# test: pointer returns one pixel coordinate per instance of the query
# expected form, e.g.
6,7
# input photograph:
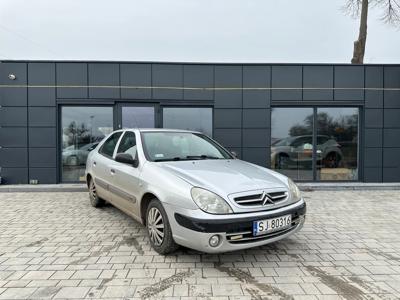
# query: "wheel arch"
144,203
88,177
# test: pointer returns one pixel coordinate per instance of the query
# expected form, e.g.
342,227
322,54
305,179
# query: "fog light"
214,241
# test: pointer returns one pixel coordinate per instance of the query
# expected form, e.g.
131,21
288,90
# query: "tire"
72,161
158,228
282,162
95,200
332,160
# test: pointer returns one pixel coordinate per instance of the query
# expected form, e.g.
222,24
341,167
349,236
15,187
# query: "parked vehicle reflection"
295,151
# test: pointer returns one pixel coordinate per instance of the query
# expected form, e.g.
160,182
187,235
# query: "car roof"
161,130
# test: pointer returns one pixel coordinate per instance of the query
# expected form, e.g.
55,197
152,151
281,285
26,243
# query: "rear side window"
128,144
109,145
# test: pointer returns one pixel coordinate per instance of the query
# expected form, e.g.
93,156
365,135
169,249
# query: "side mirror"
234,154
126,158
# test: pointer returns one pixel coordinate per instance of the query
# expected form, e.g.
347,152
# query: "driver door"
126,178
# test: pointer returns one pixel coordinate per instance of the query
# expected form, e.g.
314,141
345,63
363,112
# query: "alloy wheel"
155,226
92,191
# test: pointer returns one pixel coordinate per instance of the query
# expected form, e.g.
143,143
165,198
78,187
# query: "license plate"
270,225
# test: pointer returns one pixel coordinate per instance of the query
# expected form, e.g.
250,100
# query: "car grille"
247,236
261,199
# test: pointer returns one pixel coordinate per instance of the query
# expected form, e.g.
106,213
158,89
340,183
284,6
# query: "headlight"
294,190
210,202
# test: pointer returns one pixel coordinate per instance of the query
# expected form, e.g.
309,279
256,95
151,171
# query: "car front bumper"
193,229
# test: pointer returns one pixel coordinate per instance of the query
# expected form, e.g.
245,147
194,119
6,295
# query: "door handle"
94,164
112,171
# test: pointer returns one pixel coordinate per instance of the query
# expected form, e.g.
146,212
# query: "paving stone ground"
56,246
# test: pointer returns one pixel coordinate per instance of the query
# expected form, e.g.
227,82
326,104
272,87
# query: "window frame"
315,107
59,116
115,147
120,141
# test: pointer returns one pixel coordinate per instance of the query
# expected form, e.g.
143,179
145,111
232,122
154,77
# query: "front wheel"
158,228
95,201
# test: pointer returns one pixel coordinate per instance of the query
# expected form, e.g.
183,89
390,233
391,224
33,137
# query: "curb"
43,188
357,186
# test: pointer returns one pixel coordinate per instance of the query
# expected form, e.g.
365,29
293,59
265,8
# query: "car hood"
225,177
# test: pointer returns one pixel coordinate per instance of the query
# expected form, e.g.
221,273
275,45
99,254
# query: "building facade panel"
287,83
72,80
42,116
318,77
43,77
13,73
228,77
227,118
42,137
13,116
237,113
373,118
198,76
135,75
14,175
256,77
167,77
13,137
43,175
106,75
349,81
256,118
43,157
13,157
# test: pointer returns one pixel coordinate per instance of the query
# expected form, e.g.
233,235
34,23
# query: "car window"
302,140
321,139
128,144
109,145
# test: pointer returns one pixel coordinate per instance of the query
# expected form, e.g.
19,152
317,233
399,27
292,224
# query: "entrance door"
134,115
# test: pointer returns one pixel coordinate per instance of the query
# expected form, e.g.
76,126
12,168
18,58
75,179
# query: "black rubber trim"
233,225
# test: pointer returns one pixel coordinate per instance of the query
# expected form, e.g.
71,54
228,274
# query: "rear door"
126,178
103,166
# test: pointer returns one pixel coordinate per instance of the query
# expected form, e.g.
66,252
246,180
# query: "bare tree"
359,8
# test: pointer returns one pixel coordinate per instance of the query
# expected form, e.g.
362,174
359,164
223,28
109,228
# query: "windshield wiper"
202,157
169,159
189,157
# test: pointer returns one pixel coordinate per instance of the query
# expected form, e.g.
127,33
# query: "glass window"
164,146
188,118
292,142
82,129
108,147
128,144
138,117
337,148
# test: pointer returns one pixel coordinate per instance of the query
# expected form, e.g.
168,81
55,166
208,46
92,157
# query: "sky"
262,31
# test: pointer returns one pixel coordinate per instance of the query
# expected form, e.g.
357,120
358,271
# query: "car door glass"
109,145
128,144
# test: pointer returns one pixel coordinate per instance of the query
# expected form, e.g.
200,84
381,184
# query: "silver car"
188,190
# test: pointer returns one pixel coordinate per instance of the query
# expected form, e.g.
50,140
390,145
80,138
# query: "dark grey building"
311,122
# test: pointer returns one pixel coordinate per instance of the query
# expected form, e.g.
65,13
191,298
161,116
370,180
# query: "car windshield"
175,146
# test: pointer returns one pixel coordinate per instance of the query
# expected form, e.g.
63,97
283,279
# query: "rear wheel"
95,201
332,160
158,228
282,162
72,161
